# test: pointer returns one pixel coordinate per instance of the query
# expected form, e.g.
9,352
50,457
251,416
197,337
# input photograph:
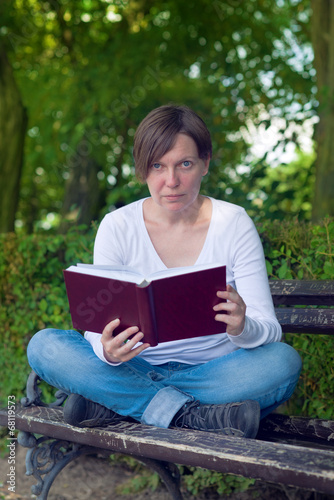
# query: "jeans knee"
42,346
288,359
292,357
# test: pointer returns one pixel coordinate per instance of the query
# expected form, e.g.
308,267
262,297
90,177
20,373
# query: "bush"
33,296
296,250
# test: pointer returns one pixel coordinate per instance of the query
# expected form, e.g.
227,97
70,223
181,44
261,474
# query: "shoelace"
227,422
181,420
201,420
99,415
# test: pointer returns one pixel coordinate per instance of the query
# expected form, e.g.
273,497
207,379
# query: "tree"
323,45
90,70
13,125
83,197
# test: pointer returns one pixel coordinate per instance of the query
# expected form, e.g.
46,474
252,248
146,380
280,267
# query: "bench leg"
169,474
34,394
46,458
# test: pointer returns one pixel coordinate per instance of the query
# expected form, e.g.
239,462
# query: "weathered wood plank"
302,320
300,292
278,427
280,463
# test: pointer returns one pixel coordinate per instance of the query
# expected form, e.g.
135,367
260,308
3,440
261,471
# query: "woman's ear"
206,166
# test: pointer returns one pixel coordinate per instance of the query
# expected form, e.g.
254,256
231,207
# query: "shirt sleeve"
251,282
106,252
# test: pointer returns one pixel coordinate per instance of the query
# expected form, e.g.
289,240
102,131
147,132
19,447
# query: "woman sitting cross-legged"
218,383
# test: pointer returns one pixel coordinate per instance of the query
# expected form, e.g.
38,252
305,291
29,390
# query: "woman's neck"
179,241
196,213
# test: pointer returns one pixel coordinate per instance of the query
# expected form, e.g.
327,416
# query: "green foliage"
296,250
32,295
194,479
197,480
281,191
141,477
240,67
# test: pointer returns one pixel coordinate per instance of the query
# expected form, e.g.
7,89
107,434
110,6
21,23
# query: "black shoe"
81,412
232,419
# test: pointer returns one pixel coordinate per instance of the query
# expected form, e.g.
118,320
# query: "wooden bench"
293,451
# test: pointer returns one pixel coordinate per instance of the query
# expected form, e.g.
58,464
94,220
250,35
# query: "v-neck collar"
150,245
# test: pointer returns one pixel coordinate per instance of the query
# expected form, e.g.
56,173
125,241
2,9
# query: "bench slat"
302,320
298,429
280,463
300,292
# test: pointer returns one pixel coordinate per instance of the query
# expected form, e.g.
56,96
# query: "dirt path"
86,478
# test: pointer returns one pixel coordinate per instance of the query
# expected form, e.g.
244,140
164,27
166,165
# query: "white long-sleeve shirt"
232,239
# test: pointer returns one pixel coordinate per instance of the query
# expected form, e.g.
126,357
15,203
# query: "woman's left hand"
232,312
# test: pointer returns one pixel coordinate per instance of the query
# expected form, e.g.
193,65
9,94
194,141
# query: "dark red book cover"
169,308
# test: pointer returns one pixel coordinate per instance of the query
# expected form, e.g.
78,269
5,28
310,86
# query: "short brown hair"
156,135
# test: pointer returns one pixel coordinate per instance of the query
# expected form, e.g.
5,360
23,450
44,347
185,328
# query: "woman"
220,383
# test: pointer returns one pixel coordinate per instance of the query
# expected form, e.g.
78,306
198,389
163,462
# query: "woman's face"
174,180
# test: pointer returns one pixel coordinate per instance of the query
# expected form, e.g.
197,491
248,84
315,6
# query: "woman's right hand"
120,348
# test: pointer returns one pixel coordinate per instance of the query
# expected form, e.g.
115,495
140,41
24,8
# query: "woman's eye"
156,166
186,163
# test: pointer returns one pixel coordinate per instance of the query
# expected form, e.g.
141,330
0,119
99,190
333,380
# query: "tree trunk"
323,45
83,196
13,125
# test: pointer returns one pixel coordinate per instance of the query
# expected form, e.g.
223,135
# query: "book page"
129,274
177,271
122,274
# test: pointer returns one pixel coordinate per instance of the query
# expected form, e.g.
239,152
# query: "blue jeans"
154,394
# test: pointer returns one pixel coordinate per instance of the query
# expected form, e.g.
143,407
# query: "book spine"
147,320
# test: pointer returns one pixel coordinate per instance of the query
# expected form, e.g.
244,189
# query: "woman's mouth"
173,197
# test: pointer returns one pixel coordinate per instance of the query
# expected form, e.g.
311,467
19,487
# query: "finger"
127,351
122,353
108,332
131,342
115,345
134,352
124,336
234,324
225,318
229,294
109,328
234,307
229,289
226,306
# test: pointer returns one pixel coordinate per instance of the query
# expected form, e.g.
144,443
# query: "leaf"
269,268
282,271
329,270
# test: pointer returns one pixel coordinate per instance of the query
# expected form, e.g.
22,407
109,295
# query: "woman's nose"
172,178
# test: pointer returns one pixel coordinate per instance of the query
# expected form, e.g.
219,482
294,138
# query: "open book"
169,305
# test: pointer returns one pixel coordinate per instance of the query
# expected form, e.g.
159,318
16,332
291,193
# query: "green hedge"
32,295
297,250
